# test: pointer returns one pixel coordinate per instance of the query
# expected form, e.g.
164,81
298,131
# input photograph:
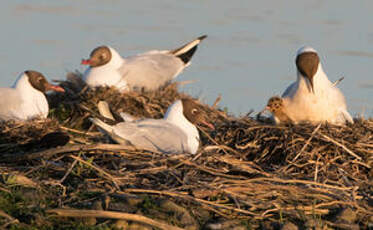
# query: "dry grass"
245,169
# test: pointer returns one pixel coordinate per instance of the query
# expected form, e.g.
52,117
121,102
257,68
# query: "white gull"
312,97
25,99
147,71
175,133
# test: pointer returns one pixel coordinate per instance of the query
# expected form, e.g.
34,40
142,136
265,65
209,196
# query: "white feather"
22,101
173,134
326,104
150,70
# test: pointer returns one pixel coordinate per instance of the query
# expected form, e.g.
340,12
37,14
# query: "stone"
289,226
181,214
227,225
347,215
138,226
121,224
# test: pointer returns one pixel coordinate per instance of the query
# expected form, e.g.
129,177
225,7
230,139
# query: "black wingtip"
185,57
202,37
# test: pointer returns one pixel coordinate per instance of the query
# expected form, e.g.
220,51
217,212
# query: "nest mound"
247,173
80,102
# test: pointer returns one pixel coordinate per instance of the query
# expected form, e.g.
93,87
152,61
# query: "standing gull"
147,71
312,97
25,99
175,133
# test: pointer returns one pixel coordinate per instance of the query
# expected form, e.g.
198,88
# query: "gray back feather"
150,71
151,134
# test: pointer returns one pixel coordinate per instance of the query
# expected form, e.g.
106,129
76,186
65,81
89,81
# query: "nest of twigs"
258,174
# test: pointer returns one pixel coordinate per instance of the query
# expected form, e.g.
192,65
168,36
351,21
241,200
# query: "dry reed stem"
101,171
340,145
307,142
174,194
112,215
46,154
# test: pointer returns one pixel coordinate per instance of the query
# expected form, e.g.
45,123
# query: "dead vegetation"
247,174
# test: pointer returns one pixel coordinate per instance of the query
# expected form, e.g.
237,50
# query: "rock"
353,227
346,219
134,200
181,214
89,221
347,215
32,195
121,224
202,215
269,225
121,207
227,225
317,224
123,203
312,224
289,226
138,226
97,205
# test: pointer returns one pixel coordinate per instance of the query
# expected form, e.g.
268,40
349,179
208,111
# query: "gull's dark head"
307,62
194,114
39,82
98,57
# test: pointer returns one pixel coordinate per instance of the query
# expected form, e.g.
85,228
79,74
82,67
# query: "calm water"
248,56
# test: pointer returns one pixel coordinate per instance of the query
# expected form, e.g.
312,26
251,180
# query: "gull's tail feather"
127,117
185,53
108,129
104,110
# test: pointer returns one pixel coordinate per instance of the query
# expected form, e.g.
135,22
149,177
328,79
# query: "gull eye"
194,111
38,80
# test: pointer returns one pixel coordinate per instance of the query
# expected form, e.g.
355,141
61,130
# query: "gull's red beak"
55,88
86,62
207,124
265,110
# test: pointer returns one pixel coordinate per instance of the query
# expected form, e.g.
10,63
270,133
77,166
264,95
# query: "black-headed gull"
147,71
175,133
312,97
25,99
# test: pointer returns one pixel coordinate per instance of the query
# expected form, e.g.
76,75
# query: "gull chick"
25,99
312,97
276,106
147,71
175,133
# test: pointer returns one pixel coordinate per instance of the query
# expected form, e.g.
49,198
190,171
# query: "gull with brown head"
25,99
147,71
176,133
312,97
